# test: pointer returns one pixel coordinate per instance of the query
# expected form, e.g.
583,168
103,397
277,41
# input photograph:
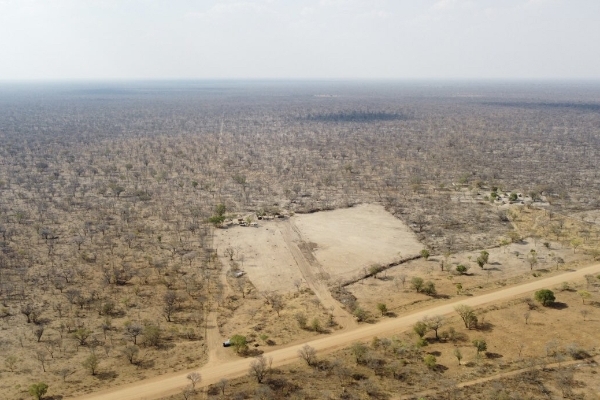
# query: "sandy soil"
348,240
262,253
337,244
162,386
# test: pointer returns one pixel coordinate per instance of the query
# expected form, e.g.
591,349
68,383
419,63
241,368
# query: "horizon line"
300,79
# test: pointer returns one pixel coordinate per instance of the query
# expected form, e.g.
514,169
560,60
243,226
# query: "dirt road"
161,386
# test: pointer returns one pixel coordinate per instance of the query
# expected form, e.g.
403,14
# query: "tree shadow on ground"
493,356
439,368
460,337
253,353
282,384
557,305
145,364
322,365
213,391
166,346
485,327
106,375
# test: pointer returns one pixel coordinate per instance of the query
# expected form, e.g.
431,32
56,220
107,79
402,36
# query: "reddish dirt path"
170,384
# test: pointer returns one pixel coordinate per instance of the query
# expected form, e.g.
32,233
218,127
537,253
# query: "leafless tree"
170,304
308,354
260,368
194,378
188,392
40,355
133,330
65,372
434,323
222,385
277,304
229,252
565,381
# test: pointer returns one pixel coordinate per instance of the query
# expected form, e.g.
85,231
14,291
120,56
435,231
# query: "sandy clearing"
263,253
162,386
274,262
343,242
312,273
351,239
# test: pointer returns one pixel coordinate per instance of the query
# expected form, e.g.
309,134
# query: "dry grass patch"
256,317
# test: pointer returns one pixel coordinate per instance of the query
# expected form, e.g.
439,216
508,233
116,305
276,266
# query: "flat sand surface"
335,244
351,239
262,253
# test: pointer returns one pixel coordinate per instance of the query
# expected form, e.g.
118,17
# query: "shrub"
461,269
239,343
417,283
430,361
420,328
360,314
38,390
480,345
302,320
382,308
316,325
545,296
429,288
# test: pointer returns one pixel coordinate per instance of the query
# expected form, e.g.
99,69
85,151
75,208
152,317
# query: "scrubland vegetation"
110,198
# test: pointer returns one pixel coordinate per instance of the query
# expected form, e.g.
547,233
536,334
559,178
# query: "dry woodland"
142,224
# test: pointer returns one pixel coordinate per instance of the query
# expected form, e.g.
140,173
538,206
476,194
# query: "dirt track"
161,386
310,272
589,361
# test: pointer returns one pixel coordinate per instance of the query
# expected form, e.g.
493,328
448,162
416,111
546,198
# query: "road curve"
165,385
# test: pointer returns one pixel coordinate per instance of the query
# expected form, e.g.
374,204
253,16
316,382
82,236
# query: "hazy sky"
398,39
